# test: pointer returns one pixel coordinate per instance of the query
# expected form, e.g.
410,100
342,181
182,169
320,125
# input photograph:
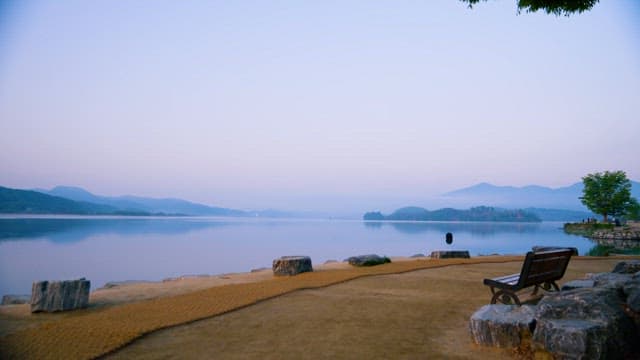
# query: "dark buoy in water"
449,238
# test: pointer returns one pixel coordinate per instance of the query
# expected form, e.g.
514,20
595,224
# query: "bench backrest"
544,266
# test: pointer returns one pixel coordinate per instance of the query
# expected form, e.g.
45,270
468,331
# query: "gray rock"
631,286
417,255
15,299
572,339
291,265
52,296
368,260
450,254
503,326
610,280
584,323
578,284
627,267
581,303
633,301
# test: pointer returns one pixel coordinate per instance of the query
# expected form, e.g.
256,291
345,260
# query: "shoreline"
124,291
127,291
138,290
119,315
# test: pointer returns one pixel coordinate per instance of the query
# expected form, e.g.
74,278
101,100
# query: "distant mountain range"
77,201
142,204
15,201
566,198
560,204
547,204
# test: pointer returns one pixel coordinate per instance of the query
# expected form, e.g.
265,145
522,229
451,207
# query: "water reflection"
79,229
119,249
479,229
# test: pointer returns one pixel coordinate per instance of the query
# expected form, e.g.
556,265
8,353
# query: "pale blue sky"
323,105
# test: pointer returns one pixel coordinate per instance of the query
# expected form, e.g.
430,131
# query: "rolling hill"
137,203
16,201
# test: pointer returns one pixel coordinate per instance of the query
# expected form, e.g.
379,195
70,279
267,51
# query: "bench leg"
546,286
505,297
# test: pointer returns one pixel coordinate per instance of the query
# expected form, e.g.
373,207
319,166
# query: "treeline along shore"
479,213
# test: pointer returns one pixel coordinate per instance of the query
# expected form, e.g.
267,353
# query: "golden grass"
97,331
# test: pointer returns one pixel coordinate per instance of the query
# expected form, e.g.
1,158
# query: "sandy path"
369,314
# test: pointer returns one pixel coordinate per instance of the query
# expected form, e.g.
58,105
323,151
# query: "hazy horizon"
326,106
448,199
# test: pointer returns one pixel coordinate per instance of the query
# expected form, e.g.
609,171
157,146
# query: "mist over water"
119,249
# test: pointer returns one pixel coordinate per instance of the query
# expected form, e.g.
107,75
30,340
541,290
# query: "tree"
608,193
556,7
634,210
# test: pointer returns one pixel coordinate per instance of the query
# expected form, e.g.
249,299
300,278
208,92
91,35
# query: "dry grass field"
405,309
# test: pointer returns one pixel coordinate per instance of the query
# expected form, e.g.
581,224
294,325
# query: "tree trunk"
604,218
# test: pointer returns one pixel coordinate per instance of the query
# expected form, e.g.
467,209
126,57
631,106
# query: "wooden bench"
540,269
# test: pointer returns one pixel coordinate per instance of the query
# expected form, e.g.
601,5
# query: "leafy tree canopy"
556,7
608,193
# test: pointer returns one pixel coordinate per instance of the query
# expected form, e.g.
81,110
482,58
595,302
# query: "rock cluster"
291,265
616,235
595,318
368,260
52,296
450,254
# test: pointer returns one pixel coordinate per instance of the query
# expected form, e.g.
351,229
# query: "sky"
314,105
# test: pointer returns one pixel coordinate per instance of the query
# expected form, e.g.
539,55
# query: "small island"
479,213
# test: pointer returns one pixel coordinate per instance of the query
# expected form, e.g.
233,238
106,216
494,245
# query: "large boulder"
368,260
632,291
503,326
610,280
291,265
52,296
627,267
450,254
584,323
572,339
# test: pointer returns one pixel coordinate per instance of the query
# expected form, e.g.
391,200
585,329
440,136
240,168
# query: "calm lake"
104,249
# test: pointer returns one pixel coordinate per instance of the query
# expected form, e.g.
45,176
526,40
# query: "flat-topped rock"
450,254
368,260
503,326
52,296
291,265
